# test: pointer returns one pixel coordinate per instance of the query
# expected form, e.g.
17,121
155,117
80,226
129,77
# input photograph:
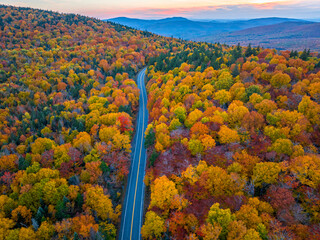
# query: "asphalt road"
132,211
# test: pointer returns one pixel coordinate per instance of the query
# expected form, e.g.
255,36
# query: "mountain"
194,30
273,32
287,35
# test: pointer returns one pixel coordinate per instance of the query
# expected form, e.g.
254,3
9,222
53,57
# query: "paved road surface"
132,211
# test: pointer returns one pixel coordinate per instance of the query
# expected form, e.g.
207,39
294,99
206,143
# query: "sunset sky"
194,9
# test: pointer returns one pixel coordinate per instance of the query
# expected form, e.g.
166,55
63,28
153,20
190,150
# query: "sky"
192,9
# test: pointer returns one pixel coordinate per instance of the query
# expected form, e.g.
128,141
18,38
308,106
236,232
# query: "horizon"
213,19
202,10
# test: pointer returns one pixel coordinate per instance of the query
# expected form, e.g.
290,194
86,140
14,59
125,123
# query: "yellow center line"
135,193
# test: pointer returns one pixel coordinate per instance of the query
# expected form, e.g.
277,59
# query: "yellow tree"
284,146
266,172
42,144
227,135
236,230
307,169
266,106
192,118
236,112
153,226
223,217
106,133
195,146
252,235
83,142
45,231
222,96
211,232
280,79
97,201
249,216
5,225
121,141
219,183
163,192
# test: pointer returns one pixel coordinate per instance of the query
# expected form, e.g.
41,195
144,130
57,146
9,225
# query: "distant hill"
195,30
287,35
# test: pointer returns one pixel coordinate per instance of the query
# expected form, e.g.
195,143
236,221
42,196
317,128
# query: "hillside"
288,35
195,30
233,144
67,108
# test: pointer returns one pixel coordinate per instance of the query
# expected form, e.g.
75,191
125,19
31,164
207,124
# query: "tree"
280,79
5,225
21,215
9,162
221,216
162,193
211,232
207,141
225,81
266,106
284,146
219,183
192,118
248,162
153,226
180,113
310,109
306,168
248,51
92,172
42,144
83,142
249,216
227,135
279,197
54,190
97,201
150,138
27,233
195,146
199,129
121,141
252,235
222,96
236,230
45,231
253,121
107,133
266,172
236,112
83,225
125,123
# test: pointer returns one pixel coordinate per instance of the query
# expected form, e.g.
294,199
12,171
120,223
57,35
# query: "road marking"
141,207
135,193
132,165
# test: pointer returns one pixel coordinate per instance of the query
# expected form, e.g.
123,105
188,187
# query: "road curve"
132,211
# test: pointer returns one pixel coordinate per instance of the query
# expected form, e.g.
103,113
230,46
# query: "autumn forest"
233,136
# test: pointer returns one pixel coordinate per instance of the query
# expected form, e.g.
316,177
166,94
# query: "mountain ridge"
231,32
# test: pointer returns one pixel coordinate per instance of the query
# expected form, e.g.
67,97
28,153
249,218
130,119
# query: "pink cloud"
209,11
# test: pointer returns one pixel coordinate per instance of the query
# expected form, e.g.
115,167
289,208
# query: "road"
131,221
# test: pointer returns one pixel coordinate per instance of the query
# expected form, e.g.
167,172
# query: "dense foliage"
233,141
67,110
